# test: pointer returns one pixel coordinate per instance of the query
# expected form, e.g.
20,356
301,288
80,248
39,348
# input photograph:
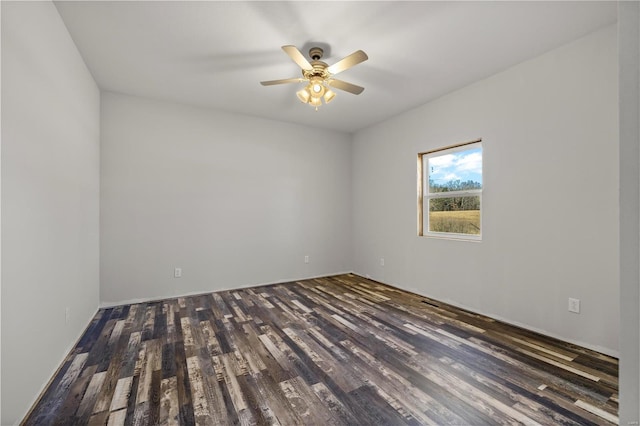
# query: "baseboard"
198,293
596,348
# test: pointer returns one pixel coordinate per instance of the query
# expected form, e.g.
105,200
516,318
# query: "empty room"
313,213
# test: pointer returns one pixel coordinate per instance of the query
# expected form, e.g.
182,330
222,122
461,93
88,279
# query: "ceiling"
214,54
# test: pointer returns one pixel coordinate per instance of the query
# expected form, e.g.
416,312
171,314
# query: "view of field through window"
453,190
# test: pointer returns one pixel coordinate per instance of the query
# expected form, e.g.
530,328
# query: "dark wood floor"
337,350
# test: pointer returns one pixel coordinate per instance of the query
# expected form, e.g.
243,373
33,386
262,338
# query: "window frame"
424,196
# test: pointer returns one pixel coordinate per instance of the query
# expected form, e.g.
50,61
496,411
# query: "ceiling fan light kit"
314,92
319,76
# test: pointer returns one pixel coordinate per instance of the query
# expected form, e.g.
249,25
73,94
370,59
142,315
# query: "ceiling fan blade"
347,87
283,81
297,57
354,59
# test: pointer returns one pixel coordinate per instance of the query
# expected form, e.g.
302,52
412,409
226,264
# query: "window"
450,192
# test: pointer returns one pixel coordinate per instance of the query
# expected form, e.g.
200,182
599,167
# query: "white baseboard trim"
198,293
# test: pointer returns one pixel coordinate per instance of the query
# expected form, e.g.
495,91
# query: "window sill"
453,237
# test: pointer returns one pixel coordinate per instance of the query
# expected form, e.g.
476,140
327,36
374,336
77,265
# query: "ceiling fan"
319,75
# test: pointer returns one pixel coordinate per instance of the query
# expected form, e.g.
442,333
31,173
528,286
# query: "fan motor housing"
319,67
319,70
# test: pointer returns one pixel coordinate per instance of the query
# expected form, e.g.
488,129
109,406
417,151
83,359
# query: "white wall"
50,200
629,63
232,200
550,205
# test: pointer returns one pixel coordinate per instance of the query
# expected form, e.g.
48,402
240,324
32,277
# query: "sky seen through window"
463,165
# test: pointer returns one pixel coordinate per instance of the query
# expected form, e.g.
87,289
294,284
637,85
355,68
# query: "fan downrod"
316,53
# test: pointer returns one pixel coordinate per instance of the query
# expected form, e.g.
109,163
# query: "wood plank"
151,363
149,322
117,418
85,409
130,356
169,410
239,400
121,394
182,377
201,411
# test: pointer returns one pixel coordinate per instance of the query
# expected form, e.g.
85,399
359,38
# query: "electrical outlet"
382,261
177,273
574,305
306,259
67,315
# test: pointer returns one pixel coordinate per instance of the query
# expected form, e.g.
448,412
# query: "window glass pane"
455,171
460,215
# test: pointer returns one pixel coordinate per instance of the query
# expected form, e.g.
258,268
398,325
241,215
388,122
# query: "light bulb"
316,87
